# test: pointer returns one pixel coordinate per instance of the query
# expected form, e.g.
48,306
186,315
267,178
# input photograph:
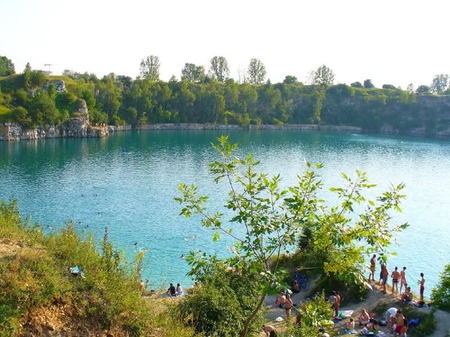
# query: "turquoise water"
128,181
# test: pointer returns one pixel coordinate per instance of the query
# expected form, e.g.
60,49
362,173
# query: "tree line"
30,98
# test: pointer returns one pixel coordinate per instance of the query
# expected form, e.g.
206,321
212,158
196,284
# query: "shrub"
440,296
220,305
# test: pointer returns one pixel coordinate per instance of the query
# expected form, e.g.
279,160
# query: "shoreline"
14,132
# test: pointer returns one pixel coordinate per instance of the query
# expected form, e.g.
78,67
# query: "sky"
394,42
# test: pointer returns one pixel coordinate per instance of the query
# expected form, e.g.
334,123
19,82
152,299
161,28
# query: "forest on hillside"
32,99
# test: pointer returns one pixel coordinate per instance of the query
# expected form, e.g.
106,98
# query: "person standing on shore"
373,262
384,277
395,278
337,303
288,305
403,279
422,286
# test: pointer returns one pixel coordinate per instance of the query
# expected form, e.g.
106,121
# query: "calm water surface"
128,181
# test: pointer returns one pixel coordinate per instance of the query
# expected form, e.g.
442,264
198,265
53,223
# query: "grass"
36,278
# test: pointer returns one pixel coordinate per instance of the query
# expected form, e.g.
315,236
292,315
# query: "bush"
220,305
35,274
440,296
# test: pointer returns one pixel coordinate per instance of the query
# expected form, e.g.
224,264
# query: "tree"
368,84
256,72
323,76
356,85
220,69
388,86
266,221
440,83
440,296
149,68
290,80
193,73
6,66
27,73
410,88
423,89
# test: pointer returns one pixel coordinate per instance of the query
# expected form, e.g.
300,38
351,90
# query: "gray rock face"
60,85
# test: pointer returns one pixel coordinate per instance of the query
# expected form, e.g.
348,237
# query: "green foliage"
440,295
149,68
256,72
322,76
314,315
219,68
193,73
6,66
217,99
268,221
37,274
220,304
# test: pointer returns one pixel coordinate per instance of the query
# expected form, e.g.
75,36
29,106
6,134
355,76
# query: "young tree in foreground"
267,221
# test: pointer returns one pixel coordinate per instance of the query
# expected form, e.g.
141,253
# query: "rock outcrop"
76,127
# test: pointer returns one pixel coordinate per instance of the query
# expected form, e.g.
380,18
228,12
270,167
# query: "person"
395,278
179,290
295,287
337,303
141,286
280,300
332,299
406,296
403,279
422,286
288,305
269,330
171,291
384,274
364,318
373,262
390,317
350,326
400,324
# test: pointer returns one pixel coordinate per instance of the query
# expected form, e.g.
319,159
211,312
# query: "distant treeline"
32,99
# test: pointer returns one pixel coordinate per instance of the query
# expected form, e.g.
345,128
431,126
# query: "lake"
128,180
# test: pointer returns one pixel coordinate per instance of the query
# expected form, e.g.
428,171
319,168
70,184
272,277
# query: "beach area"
276,316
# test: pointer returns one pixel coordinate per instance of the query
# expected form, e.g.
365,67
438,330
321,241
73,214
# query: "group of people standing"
397,277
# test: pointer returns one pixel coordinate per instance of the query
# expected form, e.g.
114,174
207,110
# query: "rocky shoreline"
79,127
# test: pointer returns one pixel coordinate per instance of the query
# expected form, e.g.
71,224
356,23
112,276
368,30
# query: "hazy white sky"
388,41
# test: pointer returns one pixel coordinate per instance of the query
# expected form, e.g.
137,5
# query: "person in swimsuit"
385,274
403,279
422,286
373,262
400,327
395,277
288,305
364,318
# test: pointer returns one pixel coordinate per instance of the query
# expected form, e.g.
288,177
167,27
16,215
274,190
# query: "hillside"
34,100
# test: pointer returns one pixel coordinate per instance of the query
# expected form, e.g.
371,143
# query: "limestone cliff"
76,127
